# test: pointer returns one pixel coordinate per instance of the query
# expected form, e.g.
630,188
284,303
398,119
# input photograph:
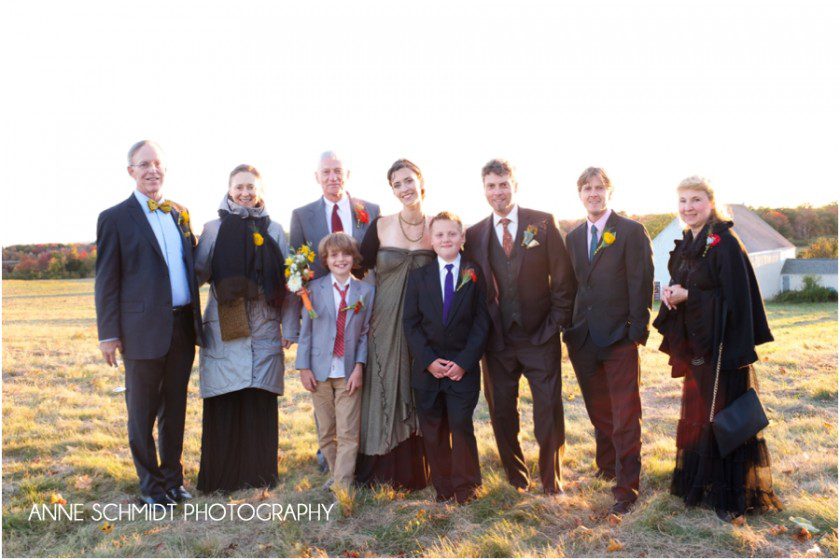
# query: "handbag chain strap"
717,376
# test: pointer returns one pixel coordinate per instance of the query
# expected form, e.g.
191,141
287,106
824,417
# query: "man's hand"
286,343
354,383
455,372
307,379
109,351
438,368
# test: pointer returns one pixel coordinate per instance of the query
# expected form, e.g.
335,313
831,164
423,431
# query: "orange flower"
258,239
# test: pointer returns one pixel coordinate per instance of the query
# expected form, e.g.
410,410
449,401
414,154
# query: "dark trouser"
609,381
541,367
157,389
444,414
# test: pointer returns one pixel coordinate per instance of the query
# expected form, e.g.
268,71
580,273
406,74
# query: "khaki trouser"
338,417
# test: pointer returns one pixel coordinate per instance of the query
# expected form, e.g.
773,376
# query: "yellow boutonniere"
606,240
258,239
184,218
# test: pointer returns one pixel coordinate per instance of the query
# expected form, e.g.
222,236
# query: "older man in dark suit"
613,262
147,307
530,292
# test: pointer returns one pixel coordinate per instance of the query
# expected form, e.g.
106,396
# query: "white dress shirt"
513,216
599,225
344,213
337,365
442,265
169,239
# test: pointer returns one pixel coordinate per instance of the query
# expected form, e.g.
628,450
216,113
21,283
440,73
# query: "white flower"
294,283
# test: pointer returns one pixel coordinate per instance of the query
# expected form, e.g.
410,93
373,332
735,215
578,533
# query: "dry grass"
64,432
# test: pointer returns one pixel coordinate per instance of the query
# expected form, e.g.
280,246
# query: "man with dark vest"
147,307
530,292
613,261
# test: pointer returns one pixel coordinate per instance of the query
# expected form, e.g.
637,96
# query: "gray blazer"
309,225
317,336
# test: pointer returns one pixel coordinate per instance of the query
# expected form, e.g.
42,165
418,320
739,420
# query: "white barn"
794,270
767,248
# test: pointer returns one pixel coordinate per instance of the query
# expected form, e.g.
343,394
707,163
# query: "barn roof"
810,266
756,234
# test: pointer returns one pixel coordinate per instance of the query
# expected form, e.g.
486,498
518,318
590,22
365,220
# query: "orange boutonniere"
711,240
467,276
356,307
362,216
258,239
184,221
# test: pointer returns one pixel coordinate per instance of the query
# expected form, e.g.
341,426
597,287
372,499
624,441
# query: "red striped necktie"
338,348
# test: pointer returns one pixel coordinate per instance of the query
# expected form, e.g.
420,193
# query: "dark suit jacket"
309,225
461,339
615,290
545,279
132,290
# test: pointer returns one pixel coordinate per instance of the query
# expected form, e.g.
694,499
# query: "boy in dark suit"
446,324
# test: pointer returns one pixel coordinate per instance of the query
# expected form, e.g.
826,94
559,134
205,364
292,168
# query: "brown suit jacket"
545,278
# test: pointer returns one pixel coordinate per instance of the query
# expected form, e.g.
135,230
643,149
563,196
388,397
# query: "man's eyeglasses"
145,165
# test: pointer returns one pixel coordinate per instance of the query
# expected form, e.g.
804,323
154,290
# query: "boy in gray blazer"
332,351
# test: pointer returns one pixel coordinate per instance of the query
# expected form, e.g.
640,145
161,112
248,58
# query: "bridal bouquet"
299,273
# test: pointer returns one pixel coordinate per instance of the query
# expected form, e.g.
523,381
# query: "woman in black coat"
713,297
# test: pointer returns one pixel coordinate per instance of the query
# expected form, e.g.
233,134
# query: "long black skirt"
739,483
404,467
239,441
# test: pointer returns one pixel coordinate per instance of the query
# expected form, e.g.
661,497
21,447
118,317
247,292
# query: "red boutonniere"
362,216
466,277
712,240
356,307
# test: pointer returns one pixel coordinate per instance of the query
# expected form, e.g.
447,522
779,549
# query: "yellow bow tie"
165,206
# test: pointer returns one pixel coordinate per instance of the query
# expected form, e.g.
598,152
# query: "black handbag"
738,422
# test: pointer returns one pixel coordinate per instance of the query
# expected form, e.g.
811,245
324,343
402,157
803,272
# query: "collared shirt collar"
442,264
513,216
601,223
343,204
143,200
340,285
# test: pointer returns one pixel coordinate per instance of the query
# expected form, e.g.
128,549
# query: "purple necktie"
448,291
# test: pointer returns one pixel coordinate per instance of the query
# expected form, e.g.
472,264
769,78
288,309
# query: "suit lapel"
610,224
318,215
519,254
355,225
431,281
581,250
458,297
327,292
485,238
136,212
352,298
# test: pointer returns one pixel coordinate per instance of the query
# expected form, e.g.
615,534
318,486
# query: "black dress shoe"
155,501
179,494
621,508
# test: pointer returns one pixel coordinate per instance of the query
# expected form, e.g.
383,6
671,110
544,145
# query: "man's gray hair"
136,147
329,154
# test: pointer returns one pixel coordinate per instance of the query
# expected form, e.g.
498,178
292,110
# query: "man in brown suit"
530,294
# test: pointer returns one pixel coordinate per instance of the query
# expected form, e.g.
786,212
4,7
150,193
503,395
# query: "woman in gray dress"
390,450
242,255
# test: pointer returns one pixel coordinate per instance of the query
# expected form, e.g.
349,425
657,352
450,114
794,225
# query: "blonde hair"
702,184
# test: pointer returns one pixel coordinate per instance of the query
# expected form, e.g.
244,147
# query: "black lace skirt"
404,467
239,441
740,482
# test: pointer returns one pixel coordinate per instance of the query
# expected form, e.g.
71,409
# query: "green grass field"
64,433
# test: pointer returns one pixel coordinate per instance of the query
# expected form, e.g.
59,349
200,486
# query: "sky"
744,93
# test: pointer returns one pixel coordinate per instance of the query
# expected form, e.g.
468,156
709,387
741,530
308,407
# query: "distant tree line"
49,260
812,229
